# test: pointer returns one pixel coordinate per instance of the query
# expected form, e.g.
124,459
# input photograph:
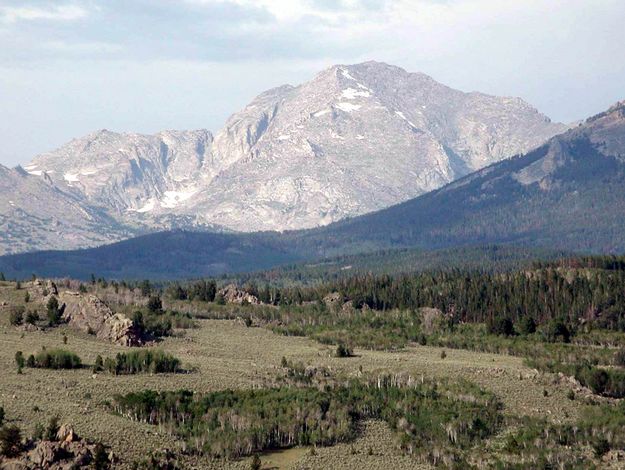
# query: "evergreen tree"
32,317
137,321
16,315
528,326
100,458
54,315
99,364
11,441
146,288
52,429
19,359
155,305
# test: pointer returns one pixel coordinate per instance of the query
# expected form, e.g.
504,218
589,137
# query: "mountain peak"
354,139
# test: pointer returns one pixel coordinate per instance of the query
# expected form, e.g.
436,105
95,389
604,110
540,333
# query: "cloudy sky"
68,67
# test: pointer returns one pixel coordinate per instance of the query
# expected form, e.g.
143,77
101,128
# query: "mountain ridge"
566,196
354,139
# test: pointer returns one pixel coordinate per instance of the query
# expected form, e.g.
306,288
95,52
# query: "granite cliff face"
354,139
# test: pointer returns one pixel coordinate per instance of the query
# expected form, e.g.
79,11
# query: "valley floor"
224,354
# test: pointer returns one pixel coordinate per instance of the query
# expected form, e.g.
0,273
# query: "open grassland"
222,354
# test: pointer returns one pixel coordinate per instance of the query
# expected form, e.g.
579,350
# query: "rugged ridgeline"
354,139
35,212
566,195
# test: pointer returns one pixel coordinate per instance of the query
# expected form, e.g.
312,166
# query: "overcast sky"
68,67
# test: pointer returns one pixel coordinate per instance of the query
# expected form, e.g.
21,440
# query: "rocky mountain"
566,195
356,139
128,175
36,213
353,140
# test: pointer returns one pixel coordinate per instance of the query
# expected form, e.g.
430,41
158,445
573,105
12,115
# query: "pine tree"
10,441
155,305
19,359
100,458
52,429
54,315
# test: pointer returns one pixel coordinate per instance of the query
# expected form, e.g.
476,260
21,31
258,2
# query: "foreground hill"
354,139
566,195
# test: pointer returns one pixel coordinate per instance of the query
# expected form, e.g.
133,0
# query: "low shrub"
343,351
54,359
152,361
16,315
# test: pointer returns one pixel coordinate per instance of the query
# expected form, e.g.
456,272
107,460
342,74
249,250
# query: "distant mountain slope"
354,139
36,212
134,177
567,195
165,255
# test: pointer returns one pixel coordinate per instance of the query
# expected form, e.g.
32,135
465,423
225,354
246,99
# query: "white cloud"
285,11
90,47
52,13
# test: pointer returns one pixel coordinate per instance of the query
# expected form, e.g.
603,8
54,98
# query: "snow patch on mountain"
348,107
173,198
352,93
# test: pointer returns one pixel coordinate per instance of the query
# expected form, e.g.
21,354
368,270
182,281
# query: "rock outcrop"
67,452
41,289
119,329
88,313
233,295
333,300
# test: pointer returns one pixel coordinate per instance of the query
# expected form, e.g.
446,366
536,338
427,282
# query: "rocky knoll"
41,289
88,313
68,451
233,295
